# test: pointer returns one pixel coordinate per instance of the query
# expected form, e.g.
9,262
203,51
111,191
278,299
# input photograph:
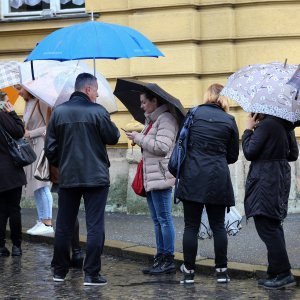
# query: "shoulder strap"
32,112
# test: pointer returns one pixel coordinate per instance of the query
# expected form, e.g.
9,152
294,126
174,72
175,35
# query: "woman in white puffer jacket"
157,146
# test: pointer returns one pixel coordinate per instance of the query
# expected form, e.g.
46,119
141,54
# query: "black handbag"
179,152
20,150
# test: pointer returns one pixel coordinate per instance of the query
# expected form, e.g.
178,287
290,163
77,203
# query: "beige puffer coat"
157,147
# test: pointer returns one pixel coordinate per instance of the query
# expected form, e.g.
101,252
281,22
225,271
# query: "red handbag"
138,181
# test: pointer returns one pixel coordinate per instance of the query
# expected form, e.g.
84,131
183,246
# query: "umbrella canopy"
263,88
128,91
54,82
9,74
92,40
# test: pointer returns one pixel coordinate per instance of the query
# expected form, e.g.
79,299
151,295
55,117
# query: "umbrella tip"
285,62
92,15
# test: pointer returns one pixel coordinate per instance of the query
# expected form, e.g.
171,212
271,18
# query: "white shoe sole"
94,284
58,279
187,281
223,280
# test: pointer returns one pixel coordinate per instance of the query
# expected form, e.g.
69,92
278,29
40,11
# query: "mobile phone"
125,130
2,104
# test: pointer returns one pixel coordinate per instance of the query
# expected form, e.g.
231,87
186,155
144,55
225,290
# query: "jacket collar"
81,95
152,117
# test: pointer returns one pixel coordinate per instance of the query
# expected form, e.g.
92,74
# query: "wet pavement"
246,247
29,277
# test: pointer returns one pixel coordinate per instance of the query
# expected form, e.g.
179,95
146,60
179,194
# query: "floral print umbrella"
264,88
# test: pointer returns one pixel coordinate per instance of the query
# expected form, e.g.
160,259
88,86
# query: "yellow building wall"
204,41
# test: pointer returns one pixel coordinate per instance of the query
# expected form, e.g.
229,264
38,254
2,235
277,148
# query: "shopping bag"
232,224
138,181
42,170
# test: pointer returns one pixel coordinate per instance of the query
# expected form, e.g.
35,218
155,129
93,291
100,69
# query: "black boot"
167,266
16,251
4,251
77,258
156,262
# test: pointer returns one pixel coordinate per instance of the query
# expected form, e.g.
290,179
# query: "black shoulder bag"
20,150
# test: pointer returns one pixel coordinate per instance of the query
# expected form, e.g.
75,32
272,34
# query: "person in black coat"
205,179
270,143
76,139
12,180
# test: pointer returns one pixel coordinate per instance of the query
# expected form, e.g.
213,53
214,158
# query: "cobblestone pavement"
29,277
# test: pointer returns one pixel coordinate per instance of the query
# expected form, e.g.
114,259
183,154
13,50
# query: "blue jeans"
159,202
43,202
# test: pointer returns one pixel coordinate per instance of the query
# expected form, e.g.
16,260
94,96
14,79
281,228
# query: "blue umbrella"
92,39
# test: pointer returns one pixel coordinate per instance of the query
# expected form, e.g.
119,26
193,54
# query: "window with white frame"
19,8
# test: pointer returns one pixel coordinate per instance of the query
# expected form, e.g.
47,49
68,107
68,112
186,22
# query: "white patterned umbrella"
264,88
9,74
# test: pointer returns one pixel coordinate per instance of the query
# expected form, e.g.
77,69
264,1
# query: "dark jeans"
192,221
68,204
10,209
271,233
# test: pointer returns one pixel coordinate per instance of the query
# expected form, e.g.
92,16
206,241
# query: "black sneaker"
94,280
58,278
261,282
77,258
157,261
188,275
4,251
280,282
222,276
167,266
16,251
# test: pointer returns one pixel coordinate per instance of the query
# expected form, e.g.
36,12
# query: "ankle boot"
167,266
156,262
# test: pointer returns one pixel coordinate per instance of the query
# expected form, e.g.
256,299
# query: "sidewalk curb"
143,253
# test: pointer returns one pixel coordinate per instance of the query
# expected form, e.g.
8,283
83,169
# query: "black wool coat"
269,148
213,144
11,176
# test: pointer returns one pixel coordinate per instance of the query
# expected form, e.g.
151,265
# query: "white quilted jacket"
157,147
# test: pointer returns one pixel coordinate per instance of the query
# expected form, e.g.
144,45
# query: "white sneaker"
42,229
34,227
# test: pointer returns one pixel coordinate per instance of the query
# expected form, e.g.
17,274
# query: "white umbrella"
264,88
54,82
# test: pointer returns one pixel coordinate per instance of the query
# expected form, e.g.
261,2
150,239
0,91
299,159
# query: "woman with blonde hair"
35,115
205,179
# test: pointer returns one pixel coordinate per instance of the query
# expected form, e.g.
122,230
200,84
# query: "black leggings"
192,221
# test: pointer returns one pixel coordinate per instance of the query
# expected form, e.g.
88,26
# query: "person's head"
87,84
23,93
212,95
149,102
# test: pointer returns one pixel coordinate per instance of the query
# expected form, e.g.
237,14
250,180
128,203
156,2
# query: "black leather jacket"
76,140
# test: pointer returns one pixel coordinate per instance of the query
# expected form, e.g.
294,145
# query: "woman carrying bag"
12,180
35,115
205,180
161,129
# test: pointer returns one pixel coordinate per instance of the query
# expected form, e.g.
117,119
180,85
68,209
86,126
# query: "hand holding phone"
125,130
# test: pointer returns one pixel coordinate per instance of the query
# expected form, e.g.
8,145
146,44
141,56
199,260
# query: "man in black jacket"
76,140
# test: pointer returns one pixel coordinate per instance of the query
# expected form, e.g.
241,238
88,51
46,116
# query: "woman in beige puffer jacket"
157,146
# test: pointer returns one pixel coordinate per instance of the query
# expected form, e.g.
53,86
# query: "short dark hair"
83,80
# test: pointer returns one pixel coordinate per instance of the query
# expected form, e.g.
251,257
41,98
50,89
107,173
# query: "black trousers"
68,204
10,210
192,221
271,233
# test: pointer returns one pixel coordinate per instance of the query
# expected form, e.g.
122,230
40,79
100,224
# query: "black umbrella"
129,90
